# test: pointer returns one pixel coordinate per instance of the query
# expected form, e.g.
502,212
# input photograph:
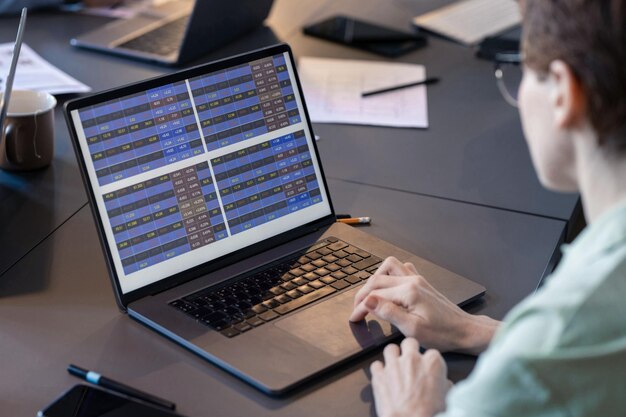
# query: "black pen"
105,382
400,87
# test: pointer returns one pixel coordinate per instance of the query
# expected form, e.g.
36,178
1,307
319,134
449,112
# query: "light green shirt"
562,351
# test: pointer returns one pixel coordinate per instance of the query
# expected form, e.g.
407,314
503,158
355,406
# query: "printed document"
35,73
333,91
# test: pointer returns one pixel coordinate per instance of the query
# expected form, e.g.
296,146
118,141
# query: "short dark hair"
590,36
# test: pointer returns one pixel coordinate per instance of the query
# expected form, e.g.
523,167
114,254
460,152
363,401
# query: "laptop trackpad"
326,326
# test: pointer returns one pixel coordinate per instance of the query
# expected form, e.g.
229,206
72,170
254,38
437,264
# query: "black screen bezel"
124,299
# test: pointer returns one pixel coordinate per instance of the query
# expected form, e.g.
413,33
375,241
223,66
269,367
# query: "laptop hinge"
200,275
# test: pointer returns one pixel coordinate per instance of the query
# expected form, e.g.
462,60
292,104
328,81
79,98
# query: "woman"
562,351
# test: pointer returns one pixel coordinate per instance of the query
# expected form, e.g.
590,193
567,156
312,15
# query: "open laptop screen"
193,170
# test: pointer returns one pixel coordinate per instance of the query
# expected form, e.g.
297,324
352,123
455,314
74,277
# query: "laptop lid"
189,29
215,23
195,170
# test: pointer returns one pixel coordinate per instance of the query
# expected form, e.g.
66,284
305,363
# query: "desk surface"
473,150
57,305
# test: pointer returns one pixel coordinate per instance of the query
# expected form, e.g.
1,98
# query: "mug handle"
10,136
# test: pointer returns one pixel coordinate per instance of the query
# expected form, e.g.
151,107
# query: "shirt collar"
600,237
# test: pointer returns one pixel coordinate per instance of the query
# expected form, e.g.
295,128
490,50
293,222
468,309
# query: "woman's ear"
567,96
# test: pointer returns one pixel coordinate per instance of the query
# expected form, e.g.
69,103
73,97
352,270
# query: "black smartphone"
87,401
365,35
491,46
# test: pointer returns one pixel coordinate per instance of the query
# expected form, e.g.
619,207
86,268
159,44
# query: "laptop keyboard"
325,268
161,41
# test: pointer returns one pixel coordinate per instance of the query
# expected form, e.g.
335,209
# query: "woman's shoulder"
582,305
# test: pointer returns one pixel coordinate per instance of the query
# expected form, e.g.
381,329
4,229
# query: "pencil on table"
356,220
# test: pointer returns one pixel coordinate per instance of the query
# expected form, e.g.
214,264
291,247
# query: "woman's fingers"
409,344
411,267
392,266
397,315
409,382
391,352
401,293
376,282
392,272
389,304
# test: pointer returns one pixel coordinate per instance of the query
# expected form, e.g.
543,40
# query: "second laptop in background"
178,31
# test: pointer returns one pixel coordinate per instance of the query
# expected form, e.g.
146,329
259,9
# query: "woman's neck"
601,175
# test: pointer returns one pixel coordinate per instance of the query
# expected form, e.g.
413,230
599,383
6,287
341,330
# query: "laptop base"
293,349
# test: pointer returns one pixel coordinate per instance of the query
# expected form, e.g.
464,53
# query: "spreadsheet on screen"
220,157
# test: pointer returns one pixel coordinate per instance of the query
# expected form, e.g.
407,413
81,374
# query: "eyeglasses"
508,74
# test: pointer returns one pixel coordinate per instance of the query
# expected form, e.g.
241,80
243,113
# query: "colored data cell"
145,131
244,102
139,133
267,181
166,216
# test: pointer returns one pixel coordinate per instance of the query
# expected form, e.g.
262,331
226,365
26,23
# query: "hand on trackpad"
326,326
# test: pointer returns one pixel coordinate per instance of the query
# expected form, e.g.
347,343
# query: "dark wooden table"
461,193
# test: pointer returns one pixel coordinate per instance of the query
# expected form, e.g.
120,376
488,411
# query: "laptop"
177,31
217,224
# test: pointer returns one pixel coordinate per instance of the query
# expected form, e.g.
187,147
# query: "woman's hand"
399,294
409,383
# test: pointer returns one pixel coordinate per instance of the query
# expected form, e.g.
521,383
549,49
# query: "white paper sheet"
333,91
470,21
35,73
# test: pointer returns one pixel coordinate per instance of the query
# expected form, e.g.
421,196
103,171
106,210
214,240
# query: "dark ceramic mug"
27,137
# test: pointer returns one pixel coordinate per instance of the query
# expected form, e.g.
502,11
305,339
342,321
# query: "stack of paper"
333,91
470,21
35,73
